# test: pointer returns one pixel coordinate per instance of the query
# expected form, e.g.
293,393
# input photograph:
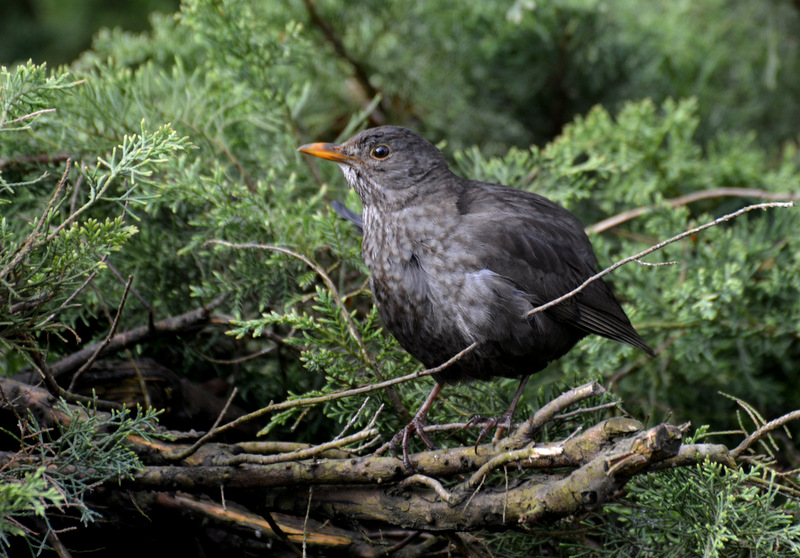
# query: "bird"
455,262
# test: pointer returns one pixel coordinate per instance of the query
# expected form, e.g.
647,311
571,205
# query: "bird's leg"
417,425
503,422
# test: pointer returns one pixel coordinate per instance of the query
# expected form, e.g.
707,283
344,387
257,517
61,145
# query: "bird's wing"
342,211
543,250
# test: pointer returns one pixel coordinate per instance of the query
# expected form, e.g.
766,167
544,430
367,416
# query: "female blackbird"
456,261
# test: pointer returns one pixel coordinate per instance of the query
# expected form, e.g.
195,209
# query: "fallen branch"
459,489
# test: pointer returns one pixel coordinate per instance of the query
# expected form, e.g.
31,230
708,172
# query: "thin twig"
654,248
755,436
31,115
630,214
299,454
310,401
33,241
577,412
237,360
427,481
100,346
353,419
194,447
530,452
134,292
72,297
393,397
305,522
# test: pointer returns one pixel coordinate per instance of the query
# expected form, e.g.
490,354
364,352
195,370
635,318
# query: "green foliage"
514,73
707,511
55,467
72,230
710,511
183,174
56,32
29,495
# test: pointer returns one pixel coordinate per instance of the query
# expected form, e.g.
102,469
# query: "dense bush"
131,160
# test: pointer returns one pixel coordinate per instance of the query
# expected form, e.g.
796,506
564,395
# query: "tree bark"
515,483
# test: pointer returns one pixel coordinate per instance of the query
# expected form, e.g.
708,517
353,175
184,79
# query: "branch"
102,345
203,510
132,337
391,394
360,71
654,248
551,480
536,498
630,214
41,159
300,454
758,434
550,410
31,115
311,401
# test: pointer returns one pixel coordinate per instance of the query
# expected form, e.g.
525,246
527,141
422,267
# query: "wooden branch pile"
334,498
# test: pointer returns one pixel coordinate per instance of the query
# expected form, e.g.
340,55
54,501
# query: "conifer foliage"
158,232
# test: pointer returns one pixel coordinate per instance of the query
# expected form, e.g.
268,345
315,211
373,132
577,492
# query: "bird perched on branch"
455,262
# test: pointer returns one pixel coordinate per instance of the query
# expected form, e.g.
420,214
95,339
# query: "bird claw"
501,423
417,425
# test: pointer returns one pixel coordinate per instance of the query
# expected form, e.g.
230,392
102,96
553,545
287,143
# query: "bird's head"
388,166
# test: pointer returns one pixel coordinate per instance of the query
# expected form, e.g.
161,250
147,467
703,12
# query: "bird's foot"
501,423
417,424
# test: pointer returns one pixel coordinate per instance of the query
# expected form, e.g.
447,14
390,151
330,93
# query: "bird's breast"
424,280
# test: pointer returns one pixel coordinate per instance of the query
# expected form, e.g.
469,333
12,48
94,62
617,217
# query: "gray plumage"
454,261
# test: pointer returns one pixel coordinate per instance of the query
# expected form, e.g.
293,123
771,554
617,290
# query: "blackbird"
456,261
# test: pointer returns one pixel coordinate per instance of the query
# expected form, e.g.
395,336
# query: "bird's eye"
380,152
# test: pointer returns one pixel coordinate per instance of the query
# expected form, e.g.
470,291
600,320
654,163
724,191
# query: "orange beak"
329,151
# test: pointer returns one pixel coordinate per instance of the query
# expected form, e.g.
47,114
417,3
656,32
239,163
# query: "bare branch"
31,115
437,487
138,335
587,410
391,394
758,434
654,248
630,214
300,454
43,159
100,346
549,411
